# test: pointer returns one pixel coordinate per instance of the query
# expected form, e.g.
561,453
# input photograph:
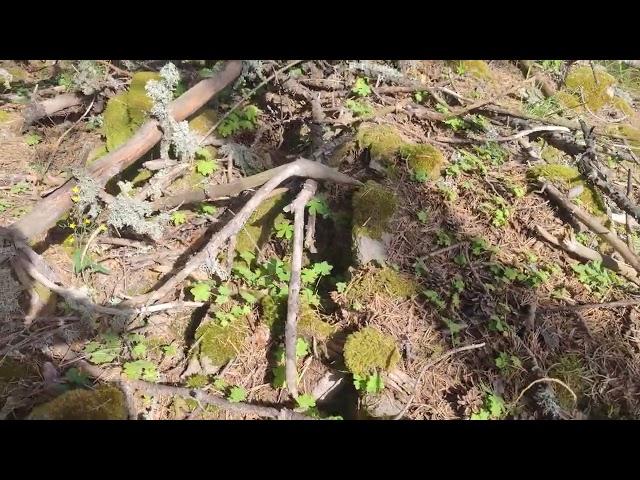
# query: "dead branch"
38,110
588,306
594,225
45,214
159,182
299,168
570,245
290,333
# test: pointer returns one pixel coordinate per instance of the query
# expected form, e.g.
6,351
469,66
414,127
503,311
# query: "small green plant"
141,369
305,402
553,66
237,394
422,216
479,246
104,350
543,108
505,362
178,218
302,348
447,192
310,274
434,298
493,408
491,152
443,238
361,87
497,324
284,229
501,212
370,383
20,187
208,209
4,205
460,68
595,277
201,291
32,139
358,107
77,377
456,124
318,206
81,263
341,287
518,190
206,167
239,121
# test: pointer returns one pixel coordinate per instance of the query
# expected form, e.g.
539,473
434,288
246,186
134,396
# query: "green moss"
96,153
622,105
592,85
382,141
220,344
373,207
138,101
104,403
142,175
568,101
566,177
629,132
260,225
551,154
424,160
203,122
570,369
12,372
368,351
273,311
197,381
384,281
477,68
311,325
4,116
117,124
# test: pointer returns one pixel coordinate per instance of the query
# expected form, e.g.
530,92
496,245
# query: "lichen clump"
424,160
368,351
220,344
384,281
594,85
104,403
382,141
373,207
566,177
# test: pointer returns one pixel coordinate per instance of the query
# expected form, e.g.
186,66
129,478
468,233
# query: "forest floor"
449,283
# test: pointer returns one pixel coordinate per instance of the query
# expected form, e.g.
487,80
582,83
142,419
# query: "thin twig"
548,379
589,306
431,364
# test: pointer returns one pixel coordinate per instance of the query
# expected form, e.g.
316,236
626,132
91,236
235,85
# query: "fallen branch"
428,366
589,306
290,333
594,225
570,245
299,168
38,110
46,213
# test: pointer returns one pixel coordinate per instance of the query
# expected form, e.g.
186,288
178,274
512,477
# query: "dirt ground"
431,293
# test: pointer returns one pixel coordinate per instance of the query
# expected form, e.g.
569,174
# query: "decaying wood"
594,225
570,245
38,110
299,168
290,332
46,213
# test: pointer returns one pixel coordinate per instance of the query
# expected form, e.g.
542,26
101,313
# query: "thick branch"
47,212
290,332
37,110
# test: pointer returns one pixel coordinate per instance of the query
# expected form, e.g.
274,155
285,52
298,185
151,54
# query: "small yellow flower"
76,189
87,221
75,199
103,228
72,225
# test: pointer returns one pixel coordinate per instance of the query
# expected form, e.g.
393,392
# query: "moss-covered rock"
477,68
260,225
373,207
595,85
204,121
138,102
117,126
384,281
565,178
383,142
551,154
424,160
104,403
220,344
368,351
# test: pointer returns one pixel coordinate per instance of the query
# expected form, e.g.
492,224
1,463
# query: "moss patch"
203,122
105,403
629,132
368,351
592,85
373,207
220,344
571,371
385,281
260,225
382,141
566,177
424,160
310,324
477,68
138,101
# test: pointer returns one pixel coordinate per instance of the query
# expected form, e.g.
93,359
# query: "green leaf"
284,229
201,291
103,352
322,268
178,218
141,369
247,256
87,263
305,401
496,405
308,275
204,153
169,350
77,377
341,287
318,206
32,139
206,167
422,216
248,297
310,297
208,209
279,378
220,383
302,348
139,351
237,394
374,383
361,87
